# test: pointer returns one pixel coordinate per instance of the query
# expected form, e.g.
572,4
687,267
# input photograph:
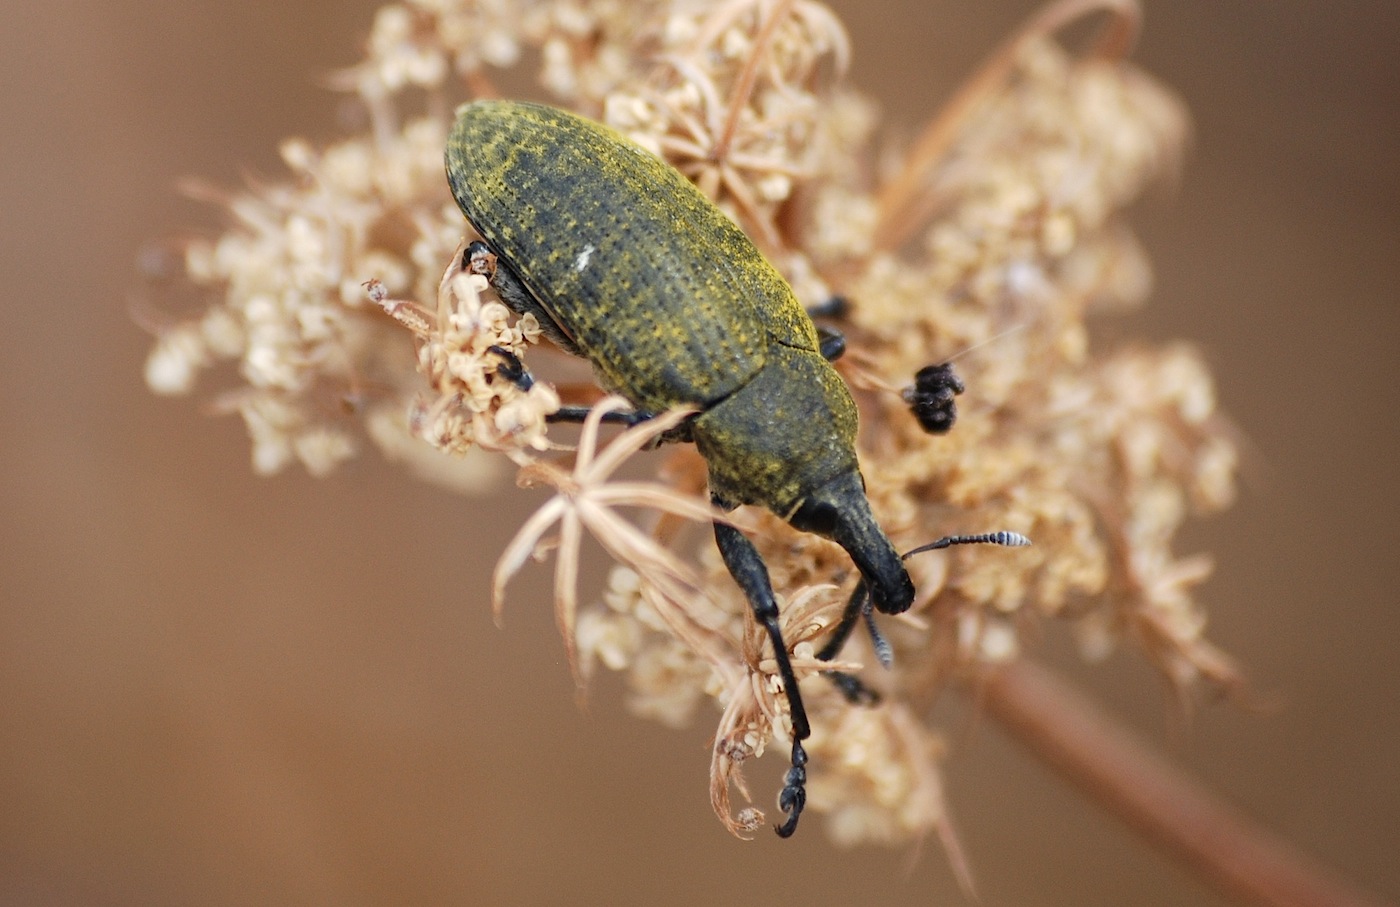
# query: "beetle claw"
793,798
512,369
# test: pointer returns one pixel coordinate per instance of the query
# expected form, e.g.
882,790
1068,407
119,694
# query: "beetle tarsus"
931,397
512,369
831,343
793,798
748,570
852,688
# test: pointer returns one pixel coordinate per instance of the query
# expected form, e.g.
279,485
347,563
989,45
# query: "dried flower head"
1002,223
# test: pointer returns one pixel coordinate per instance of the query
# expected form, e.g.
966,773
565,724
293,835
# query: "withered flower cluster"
999,231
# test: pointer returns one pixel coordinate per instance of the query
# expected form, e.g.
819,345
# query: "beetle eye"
815,516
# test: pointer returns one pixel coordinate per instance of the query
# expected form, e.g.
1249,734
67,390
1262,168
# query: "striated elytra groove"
596,227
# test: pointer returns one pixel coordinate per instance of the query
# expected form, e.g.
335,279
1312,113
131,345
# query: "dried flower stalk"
1004,223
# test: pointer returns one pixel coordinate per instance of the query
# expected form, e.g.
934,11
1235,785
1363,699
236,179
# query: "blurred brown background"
216,689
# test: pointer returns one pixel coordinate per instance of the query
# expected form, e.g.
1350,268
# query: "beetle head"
840,511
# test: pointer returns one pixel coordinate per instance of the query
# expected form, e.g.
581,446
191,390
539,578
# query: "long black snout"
840,511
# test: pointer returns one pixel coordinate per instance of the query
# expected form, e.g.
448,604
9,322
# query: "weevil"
627,264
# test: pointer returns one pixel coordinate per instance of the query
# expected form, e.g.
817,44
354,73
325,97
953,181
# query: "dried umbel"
1001,223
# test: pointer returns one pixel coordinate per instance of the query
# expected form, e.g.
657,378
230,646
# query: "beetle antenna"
883,650
861,607
1002,537
981,343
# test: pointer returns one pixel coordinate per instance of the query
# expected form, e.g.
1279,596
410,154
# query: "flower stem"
1242,859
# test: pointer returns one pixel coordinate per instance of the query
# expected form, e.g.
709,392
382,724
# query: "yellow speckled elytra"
627,264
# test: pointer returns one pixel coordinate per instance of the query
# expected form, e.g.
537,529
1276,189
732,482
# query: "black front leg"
858,608
579,413
514,371
746,566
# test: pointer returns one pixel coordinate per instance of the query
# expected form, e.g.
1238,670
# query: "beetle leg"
831,343
834,307
514,371
859,608
746,566
616,417
850,686
511,368
931,397
856,606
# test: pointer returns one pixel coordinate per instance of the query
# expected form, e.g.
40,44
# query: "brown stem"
748,76
1244,860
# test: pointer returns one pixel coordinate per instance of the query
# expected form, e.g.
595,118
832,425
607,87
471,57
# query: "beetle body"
629,265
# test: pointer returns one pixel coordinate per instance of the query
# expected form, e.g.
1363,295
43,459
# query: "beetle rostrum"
627,264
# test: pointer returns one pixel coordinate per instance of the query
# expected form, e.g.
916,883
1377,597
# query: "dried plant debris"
1002,223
